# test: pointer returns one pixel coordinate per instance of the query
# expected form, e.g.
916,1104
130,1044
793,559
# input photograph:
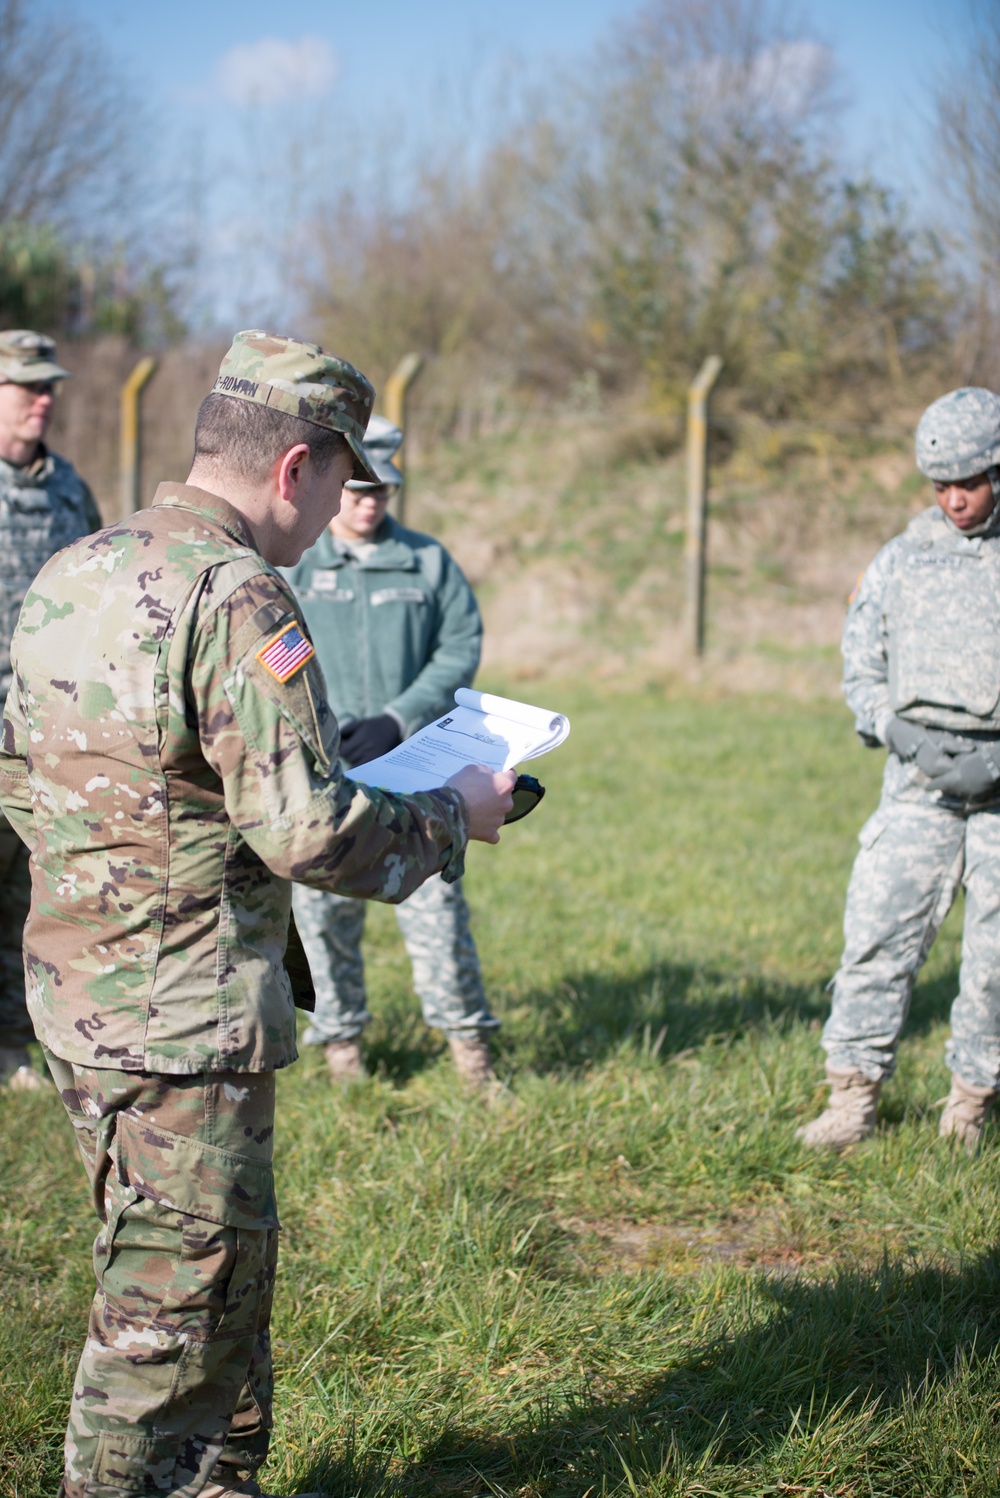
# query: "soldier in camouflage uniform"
922,676
44,504
397,630
170,758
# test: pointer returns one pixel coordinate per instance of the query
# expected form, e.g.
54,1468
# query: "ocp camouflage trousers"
435,926
915,855
15,899
175,1377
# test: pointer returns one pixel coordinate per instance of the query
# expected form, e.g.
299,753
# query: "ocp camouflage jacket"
922,635
170,757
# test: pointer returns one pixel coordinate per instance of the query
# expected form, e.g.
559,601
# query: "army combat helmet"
959,436
382,441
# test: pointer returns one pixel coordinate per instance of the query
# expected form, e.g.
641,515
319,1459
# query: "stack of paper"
480,730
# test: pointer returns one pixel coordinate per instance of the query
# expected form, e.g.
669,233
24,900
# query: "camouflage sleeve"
266,729
15,792
453,658
866,652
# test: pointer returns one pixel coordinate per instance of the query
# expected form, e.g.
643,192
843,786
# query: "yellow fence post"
130,448
396,388
697,516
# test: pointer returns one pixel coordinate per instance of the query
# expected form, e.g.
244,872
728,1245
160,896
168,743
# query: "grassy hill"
573,535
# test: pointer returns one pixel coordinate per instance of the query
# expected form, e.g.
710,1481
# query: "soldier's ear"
290,469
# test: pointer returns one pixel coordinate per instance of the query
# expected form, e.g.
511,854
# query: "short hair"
246,438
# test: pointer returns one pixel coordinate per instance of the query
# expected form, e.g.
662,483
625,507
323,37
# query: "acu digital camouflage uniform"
397,631
171,760
43,507
922,644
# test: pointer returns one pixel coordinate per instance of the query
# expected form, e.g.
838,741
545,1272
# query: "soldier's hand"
488,796
369,738
912,741
972,776
904,738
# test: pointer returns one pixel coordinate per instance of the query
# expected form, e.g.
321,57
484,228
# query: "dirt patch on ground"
759,1241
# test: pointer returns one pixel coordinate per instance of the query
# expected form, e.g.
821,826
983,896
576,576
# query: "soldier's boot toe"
17,1073
343,1058
850,1115
965,1113
473,1062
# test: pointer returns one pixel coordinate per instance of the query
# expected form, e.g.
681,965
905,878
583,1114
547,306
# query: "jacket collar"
391,553
32,475
209,506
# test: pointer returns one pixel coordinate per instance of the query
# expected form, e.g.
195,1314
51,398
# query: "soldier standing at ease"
170,758
397,630
922,676
44,504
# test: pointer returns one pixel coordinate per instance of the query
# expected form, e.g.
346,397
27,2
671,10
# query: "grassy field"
626,1277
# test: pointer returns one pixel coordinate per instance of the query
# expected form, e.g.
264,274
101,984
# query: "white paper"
480,730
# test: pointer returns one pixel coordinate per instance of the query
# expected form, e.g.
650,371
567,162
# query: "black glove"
970,776
367,738
924,746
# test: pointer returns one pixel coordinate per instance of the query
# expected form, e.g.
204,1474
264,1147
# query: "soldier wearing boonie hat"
44,504
922,675
189,775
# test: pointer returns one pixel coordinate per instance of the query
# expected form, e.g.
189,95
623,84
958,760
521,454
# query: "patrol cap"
382,441
959,435
304,381
26,357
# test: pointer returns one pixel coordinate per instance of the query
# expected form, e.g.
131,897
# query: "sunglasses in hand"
527,793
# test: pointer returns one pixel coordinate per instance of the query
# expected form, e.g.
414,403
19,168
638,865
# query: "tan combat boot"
965,1113
472,1060
343,1057
850,1114
17,1073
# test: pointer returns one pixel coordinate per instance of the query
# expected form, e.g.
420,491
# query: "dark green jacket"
396,632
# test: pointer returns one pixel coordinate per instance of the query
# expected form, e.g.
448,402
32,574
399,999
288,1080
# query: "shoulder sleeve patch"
286,654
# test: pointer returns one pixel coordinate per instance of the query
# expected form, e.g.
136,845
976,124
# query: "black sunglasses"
527,793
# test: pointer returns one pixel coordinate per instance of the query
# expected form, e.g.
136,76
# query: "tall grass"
625,1276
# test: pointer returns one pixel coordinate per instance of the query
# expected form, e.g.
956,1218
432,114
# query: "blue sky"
388,63
385,50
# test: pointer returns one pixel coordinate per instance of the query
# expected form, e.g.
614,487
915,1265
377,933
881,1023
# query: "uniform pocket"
198,1179
128,1463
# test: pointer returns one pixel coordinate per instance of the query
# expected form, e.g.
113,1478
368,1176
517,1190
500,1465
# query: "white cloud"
273,71
784,76
788,74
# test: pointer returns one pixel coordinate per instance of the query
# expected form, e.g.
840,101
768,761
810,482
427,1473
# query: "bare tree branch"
67,124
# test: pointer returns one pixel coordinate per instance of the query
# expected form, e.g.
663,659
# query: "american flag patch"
286,654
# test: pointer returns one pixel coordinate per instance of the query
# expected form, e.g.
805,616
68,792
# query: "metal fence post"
396,388
130,449
697,515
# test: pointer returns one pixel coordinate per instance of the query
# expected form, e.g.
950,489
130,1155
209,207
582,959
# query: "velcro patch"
286,654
